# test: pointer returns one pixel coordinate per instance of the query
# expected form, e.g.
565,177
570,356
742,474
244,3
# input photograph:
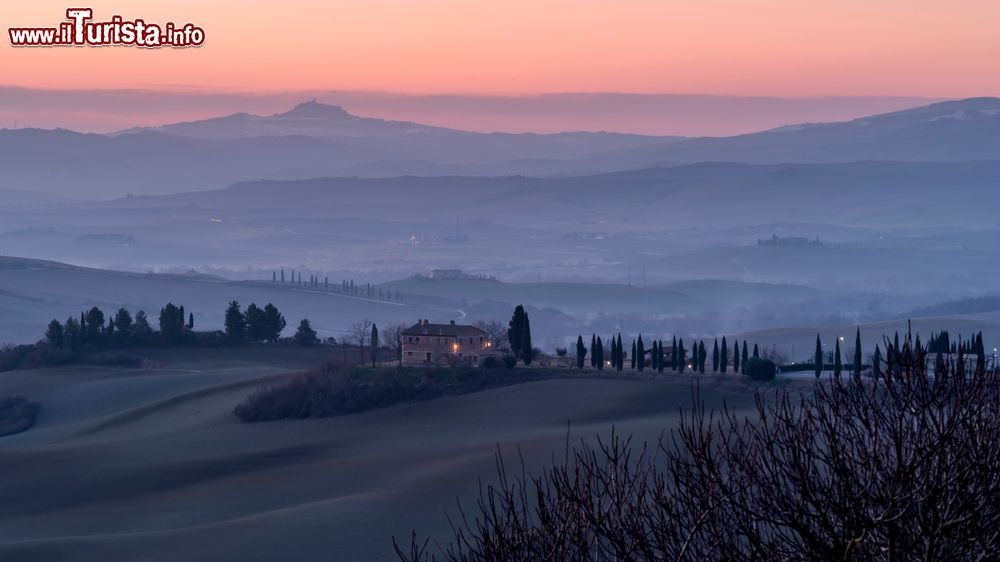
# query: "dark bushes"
35,356
760,369
17,414
905,467
332,391
115,359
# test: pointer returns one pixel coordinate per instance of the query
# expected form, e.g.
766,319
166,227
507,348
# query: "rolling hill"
33,292
960,130
314,140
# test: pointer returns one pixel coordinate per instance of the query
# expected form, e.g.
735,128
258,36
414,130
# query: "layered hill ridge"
314,140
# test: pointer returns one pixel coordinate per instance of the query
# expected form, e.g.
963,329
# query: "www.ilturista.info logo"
79,30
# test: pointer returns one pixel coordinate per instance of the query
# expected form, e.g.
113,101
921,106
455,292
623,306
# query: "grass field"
152,465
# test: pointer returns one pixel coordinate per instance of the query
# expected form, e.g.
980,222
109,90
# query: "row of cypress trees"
897,355
675,359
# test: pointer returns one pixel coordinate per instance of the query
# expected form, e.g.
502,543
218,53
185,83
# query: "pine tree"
236,323
581,352
274,323
818,357
305,335
71,334
256,323
55,334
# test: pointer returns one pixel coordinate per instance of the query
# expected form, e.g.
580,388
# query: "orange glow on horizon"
733,47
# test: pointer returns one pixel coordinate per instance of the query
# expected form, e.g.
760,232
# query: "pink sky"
731,47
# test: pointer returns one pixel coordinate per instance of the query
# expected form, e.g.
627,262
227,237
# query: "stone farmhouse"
445,344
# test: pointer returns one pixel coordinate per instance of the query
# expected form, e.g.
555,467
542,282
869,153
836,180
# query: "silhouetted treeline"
101,339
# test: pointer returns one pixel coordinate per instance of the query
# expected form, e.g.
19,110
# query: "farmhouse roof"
424,327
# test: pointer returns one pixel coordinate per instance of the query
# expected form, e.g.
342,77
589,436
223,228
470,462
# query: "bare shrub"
904,467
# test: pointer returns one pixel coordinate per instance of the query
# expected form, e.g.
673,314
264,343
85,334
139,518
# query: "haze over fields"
285,291
856,221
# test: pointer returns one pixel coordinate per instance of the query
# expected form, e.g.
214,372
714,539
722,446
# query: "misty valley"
319,335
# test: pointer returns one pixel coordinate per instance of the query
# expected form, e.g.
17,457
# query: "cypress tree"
715,356
527,351
660,361
980,353
515,330
641,354
581,352
756,352
374,344
681,356
600,354
877,363
818,357
857,353
736,357
593,351
614,353
838,366
744,359
673,356
652,357
724,356
702,356
621,354
633,355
